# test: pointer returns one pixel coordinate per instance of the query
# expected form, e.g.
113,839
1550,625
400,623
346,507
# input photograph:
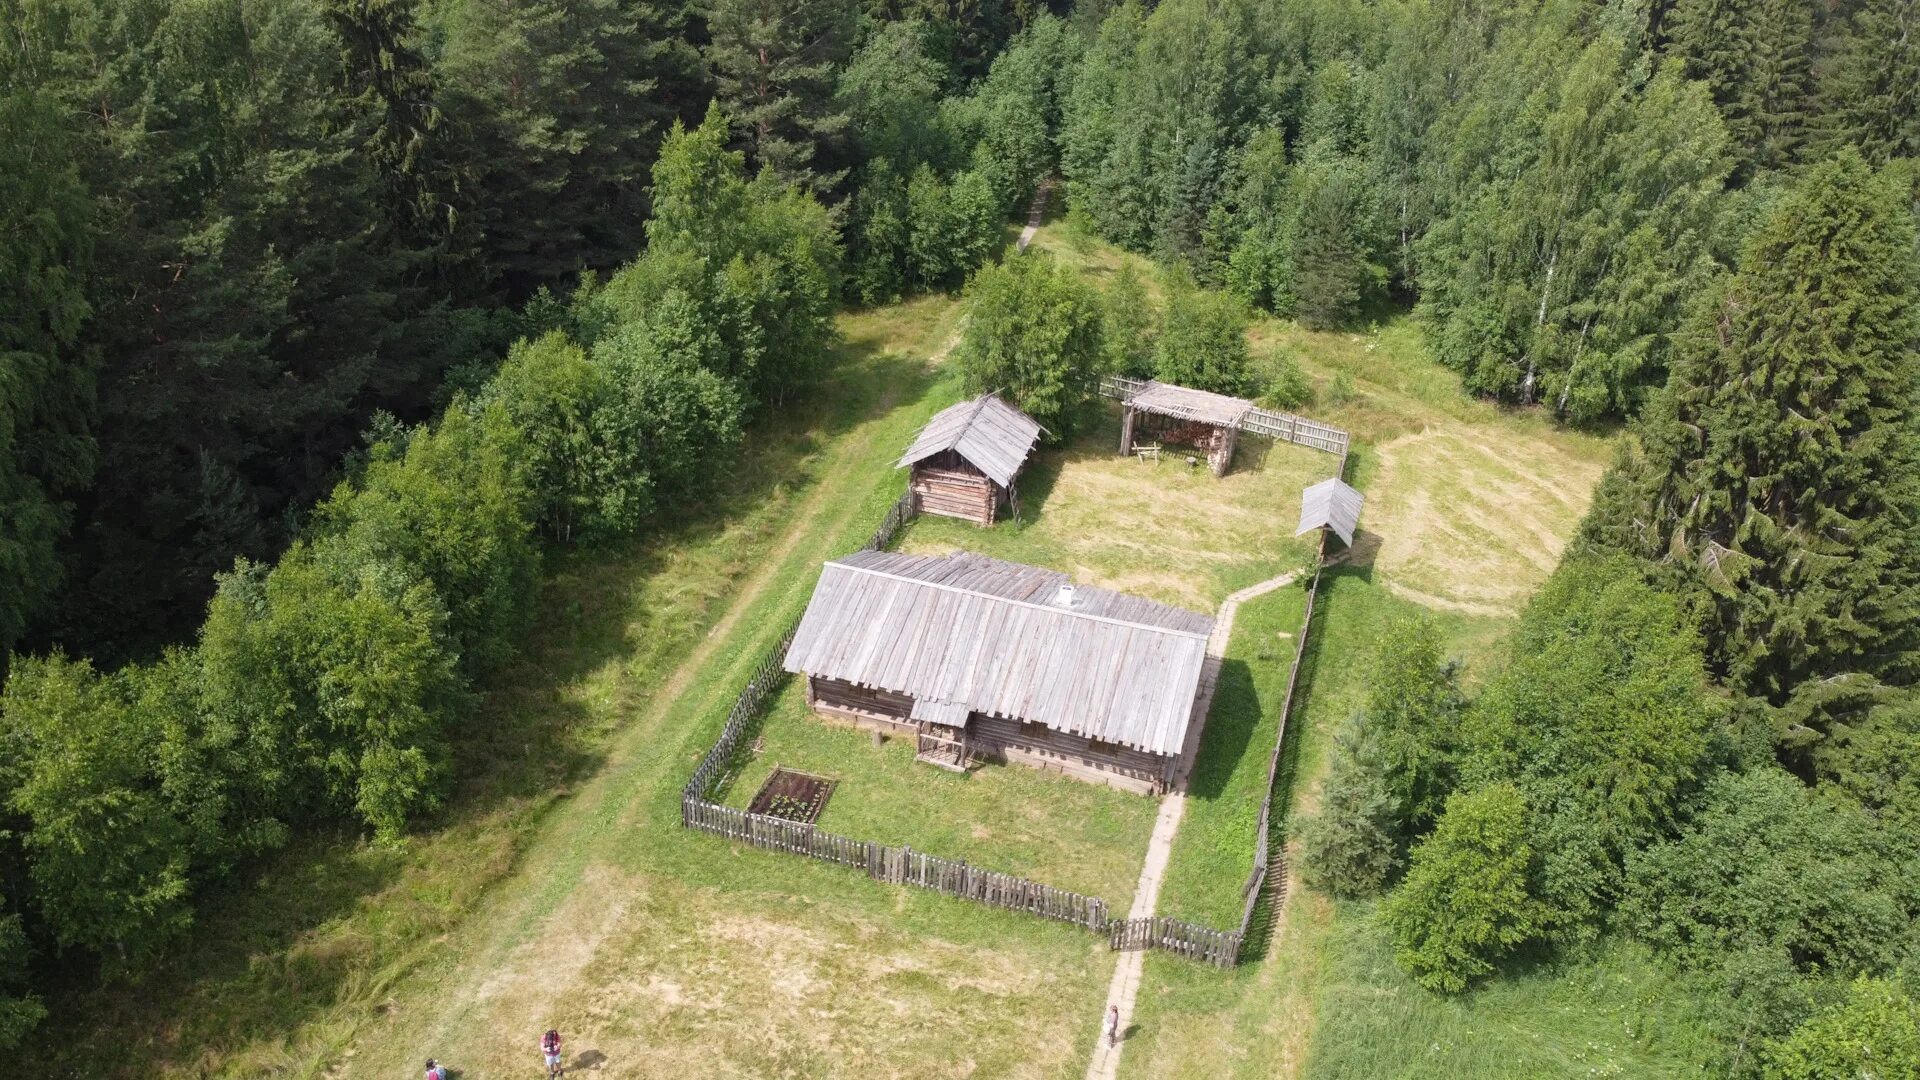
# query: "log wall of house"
996,738
874,710
946,485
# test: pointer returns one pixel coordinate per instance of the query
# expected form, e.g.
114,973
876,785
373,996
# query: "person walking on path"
1113,1025
550,1050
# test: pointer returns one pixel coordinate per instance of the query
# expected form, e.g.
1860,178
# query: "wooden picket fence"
953,877
899,514
897,865
1221,948
1265,859
1286,427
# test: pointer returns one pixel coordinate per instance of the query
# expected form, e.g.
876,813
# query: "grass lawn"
1213,851
1615,1015
1056,830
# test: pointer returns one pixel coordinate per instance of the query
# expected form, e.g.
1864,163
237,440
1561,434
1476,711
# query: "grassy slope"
559,889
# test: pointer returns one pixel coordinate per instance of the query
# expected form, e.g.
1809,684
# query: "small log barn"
1331,504
983,660
965,460
1175,414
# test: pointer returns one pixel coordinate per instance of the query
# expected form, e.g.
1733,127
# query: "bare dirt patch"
1473,519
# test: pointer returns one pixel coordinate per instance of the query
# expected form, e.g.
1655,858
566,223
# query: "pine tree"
1160,104
1466,900
775,63
1779,471
1203,339
565,102
1330,256
392,83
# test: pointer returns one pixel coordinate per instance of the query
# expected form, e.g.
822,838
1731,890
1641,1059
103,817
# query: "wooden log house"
966,459
1164,413
980,660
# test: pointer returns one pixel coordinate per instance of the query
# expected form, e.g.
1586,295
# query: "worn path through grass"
560,890
673,953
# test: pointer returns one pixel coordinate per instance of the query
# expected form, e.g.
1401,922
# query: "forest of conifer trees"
324,320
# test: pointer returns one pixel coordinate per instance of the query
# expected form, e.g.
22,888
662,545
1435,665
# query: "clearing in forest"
560,891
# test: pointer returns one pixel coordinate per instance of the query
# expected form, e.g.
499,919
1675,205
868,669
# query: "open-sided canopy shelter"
965,460
1193,417
981,659
1331,504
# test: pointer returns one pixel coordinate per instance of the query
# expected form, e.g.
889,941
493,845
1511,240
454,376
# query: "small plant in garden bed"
795,796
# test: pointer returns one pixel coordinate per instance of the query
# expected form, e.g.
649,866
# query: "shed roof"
993,435
964,629
1186,404
1330,504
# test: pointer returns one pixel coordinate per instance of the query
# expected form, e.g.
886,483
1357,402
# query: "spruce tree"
46,389
1780,473
1870,90
1757,58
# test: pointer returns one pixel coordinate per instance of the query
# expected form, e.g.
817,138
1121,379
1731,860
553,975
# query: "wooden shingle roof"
1007,640
1331,504
1186,404
991,434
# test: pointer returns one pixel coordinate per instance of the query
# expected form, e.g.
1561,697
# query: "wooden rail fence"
1265,423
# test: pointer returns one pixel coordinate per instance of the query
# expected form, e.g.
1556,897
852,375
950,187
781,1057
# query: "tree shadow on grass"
277,943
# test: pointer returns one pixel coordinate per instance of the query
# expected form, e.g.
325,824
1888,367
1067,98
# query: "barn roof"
993,435
966,630
1330,504
1185,404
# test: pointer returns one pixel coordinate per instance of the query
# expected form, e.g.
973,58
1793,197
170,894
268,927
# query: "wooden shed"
1331,504
1160,412
966,459
983,660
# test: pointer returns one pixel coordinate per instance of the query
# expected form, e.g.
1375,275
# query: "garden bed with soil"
793,795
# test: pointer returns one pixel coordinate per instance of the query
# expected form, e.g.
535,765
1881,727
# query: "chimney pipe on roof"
1064,598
